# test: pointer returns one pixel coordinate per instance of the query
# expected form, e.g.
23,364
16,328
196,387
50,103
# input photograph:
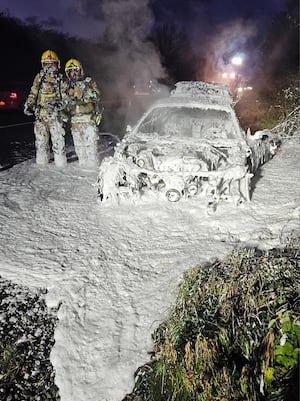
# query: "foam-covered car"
187,145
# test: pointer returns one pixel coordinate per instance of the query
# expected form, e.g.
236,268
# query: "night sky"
85,18
216,30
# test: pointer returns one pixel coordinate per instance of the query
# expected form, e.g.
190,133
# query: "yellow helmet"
49,56
73,64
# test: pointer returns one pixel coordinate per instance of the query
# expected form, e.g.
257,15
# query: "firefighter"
45,102
82,105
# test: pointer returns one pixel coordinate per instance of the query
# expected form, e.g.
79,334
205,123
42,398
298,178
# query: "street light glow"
237,60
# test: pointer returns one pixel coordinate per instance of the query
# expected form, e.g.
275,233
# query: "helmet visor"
74,73
50,65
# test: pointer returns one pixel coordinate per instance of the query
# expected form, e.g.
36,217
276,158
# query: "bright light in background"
230,75
244,89
237,60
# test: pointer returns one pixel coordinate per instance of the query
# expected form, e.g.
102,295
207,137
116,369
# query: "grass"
232,335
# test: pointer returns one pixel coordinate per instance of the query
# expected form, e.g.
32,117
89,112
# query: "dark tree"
176,53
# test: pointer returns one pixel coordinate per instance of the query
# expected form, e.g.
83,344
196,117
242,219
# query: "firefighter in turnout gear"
45,102
82,105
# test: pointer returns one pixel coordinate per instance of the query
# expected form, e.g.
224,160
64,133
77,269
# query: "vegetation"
278,108
233,333
276,95
26,339
175,52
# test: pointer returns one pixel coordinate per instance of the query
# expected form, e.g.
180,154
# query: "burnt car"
187,145
12,96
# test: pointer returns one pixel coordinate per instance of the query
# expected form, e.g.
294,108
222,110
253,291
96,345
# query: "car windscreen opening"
188,122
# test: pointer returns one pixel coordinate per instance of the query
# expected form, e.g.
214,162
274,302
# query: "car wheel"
173,195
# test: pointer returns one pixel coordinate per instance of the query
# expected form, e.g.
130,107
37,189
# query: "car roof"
198,94
205,92
177,101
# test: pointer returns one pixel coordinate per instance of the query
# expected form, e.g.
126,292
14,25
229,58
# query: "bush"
272,103
232,335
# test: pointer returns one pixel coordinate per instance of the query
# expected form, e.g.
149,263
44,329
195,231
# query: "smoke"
131,57
128,24
122,55
228,39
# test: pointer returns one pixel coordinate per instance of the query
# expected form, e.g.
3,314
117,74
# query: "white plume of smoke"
128,23
228,39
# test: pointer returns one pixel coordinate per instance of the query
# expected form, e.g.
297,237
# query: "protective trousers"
44,130
85,137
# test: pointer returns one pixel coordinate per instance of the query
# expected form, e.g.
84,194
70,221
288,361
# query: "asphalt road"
16,138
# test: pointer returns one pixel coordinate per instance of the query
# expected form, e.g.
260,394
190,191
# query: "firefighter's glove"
28,110
77,92
97,118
